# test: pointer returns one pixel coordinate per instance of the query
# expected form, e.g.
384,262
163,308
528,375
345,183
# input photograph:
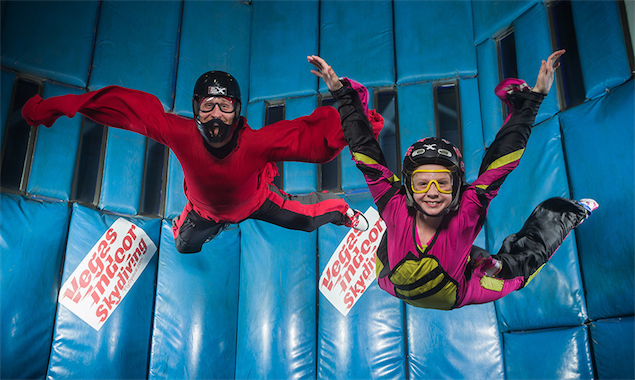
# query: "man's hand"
547,69
325,72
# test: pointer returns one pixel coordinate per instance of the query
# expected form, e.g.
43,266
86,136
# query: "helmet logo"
216,91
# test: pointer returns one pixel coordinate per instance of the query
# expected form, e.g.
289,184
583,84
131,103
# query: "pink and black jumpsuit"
447,272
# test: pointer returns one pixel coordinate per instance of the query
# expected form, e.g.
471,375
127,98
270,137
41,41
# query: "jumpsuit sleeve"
316,138
509,145
367,153
112,106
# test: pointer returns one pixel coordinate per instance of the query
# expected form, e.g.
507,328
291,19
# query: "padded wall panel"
548,354
473,149
365,29
123,171
6,95
598,137
416,114
284,33
457,344
299,177
555,297
120,349
491,105
493,17
599,34
50,39
277,303
368,343
221,43
425,53
196,309
32,241
55,154
131,51
175,201
533,44
613,341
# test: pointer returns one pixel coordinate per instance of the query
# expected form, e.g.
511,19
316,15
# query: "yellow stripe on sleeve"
506,159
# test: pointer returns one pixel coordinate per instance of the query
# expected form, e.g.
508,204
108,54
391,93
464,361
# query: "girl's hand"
325,72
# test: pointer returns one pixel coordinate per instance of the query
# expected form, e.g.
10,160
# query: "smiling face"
432,188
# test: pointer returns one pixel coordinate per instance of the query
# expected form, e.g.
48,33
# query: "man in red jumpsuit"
228,167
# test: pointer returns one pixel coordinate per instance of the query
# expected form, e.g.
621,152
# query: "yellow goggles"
421,181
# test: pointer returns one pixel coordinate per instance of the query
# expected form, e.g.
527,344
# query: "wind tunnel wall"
247,306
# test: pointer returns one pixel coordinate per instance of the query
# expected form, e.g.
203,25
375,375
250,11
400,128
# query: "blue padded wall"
472,149
148,64
287,30
120,349
555,296
425,53
459,344
222,45
299,177
32,32
598,19
533,44
196,309
123,171
606,243
491,105
416,114
31,251
175,199
356,38
369,342
548,354
493,17
613,348
277,305
55,153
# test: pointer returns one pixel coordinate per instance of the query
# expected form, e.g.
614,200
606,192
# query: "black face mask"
207,130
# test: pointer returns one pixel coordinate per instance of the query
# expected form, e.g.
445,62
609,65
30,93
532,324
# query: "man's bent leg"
191,231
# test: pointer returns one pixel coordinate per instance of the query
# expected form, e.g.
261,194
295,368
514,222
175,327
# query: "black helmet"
433,150
221,84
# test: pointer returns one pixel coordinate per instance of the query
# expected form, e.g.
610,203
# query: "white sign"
107,273
351,269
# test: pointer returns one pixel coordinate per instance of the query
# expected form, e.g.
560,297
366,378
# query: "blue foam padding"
491,18
555,297
32,242
53,40
342,22
491,105
548,354
277,303
595,20
222,45
533,44
145,62
457,344
256,112
416,114
299,177
598,140
472,128
126,333
369,343
287,31
175,196
436,53
196,309
55,152
123,171
613,351
6,86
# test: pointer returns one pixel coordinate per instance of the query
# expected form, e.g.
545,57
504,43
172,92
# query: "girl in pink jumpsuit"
427,257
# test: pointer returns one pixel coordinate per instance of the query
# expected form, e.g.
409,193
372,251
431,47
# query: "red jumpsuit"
227,190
